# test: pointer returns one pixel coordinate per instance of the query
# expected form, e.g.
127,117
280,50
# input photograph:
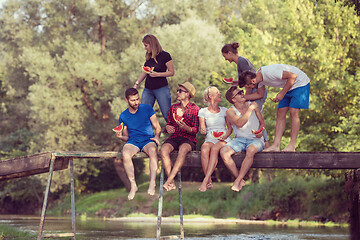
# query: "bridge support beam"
352,187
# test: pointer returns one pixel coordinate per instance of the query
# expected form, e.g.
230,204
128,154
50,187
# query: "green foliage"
8,232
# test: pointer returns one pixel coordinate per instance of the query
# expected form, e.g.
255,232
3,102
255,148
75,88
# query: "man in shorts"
244,117
139,120
183,130
294,96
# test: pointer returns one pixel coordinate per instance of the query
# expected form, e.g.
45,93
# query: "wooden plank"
289,160
29,165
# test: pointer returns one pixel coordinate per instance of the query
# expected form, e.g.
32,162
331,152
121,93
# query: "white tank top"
245,131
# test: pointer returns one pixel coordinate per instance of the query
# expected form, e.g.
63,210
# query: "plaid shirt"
190,118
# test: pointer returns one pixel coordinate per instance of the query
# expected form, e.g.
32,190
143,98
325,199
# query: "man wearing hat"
182,124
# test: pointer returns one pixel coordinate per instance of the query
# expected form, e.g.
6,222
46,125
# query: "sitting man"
183,131
139,120
244,117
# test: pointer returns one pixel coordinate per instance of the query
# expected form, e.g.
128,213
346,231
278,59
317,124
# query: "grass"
9,232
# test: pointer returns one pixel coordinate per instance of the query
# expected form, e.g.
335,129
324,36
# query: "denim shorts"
242,144
296,98
140,145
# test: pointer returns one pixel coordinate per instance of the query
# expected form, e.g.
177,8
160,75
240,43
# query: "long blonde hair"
207,92
154,45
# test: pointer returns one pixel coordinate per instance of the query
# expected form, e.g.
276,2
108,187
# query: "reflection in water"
108,229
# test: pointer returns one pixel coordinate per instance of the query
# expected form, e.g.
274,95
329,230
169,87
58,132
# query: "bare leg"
127,153
183,150
245,166
214,158
165,151
295,128
151,150
279,130
205,158
226,152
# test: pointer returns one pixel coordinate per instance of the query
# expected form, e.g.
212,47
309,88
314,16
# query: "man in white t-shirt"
294,96
244,117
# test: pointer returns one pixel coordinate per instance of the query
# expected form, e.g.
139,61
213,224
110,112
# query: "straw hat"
189,87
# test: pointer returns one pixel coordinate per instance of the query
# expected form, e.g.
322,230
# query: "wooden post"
352,187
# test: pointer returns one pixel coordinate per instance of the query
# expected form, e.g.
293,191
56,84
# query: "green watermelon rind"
145,69
119,128
258,131
175,116
228,80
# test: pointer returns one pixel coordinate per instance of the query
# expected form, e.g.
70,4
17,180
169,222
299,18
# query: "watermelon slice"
119,128
148,69
217,135
177,118
258,131
228,80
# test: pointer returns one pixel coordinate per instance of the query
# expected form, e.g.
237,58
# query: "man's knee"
166,149
294,112
251,150
185,148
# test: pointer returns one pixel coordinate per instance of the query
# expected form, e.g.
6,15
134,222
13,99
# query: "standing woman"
212,118
156,84
230,53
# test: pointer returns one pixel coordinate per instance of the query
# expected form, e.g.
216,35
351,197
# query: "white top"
213,122
272,76
245,131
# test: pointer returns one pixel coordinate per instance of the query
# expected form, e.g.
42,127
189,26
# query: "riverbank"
287,199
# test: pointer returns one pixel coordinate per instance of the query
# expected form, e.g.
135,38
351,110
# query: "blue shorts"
140,145
296,98
242,144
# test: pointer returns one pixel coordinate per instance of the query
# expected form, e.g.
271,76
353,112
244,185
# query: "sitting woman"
212,119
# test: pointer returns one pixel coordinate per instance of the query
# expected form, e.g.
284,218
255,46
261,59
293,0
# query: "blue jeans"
163,97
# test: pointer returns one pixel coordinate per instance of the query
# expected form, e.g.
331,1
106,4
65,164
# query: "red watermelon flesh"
217,135
177,117
258,131
148,69
228,80
119,128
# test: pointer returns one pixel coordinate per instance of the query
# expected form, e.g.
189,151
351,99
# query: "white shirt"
272,76
213,121
245,131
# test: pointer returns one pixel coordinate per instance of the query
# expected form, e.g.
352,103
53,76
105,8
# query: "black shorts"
177,141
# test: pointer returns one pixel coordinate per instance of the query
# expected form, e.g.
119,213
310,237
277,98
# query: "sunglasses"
239,92
180,91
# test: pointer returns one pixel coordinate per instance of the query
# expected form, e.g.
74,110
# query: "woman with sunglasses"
212,118
156,84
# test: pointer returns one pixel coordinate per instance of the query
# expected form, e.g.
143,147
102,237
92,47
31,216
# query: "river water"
94,229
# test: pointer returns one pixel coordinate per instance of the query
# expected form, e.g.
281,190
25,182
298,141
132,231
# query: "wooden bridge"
59,160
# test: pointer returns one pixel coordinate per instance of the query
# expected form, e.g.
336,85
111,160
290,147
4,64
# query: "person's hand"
259,135
170,129
155,139
253,106
278,97
154,74
203,130
182,124
119,134
136,85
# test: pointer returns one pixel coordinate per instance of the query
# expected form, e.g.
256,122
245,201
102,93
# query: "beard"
134,106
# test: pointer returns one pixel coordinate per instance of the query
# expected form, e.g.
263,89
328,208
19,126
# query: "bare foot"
209,185
169,186
132,192
238,186
272,148
203,187
289,149
151,189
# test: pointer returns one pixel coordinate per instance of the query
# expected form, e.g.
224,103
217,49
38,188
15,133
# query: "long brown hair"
154,45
